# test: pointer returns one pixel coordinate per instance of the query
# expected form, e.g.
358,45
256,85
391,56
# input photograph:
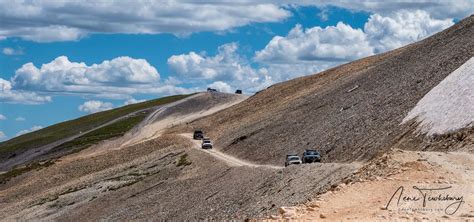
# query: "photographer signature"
454,202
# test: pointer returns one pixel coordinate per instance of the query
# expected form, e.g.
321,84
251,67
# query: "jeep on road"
292,159
198,135
206,143
311,156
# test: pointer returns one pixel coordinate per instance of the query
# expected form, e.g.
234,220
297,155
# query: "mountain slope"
24,148
351,112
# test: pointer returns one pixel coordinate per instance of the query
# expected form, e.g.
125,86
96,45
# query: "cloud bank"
118,78
48,21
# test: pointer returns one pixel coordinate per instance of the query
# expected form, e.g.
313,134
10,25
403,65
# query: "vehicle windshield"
206,141
293,158
197,132
312,152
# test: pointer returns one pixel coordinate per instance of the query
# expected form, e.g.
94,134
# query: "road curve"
228,159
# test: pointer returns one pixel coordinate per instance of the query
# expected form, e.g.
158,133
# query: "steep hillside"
183,111
78,133
167,177
351,112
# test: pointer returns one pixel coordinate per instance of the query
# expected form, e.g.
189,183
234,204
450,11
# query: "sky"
60,60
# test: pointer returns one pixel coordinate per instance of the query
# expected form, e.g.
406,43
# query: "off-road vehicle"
206,143
198,135
292,159
311,156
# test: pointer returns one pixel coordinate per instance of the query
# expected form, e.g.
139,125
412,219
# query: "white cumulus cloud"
8,95
221,86
62,74
226,66
307,51
94,106
401,28
118,78
2,117
333,43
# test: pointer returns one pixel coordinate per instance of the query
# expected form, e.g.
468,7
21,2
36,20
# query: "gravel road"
228,159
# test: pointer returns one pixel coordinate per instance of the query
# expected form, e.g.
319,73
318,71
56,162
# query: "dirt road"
182,111
229,160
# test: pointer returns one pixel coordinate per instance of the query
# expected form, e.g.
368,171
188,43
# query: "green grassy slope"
116,129
72,127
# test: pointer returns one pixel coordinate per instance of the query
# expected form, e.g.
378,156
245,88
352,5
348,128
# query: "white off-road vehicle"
292,159
206,143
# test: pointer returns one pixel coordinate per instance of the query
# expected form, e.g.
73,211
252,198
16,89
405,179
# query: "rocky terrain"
162,178
359,115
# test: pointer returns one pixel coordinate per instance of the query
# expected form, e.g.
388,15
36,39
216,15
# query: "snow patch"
448,106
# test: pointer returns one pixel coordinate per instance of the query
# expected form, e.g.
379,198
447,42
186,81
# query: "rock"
281,210
287,212
310,209
314,205
322,216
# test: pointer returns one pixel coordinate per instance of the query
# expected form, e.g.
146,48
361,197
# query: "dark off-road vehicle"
239,91
311,156
198,135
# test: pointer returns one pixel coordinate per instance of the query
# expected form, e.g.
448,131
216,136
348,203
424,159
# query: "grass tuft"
20,170
183,161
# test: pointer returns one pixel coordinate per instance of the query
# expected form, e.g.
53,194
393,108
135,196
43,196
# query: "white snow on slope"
449,105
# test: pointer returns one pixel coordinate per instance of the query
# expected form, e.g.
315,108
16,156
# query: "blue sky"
89,58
